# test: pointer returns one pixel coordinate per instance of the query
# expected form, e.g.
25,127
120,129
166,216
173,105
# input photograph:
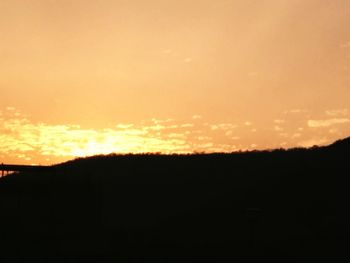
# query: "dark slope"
285,206
341,146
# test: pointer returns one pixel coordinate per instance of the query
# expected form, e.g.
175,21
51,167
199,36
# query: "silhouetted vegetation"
278,205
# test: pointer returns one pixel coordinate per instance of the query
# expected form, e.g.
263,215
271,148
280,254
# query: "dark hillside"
284,206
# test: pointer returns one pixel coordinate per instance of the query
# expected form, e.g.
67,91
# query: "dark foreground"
279,206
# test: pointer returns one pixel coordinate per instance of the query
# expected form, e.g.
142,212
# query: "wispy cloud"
278,121
124,126
197,117
338,112
313,142
295,111
159,121
23,140
228,133
278,128
187,125
326,123
296,135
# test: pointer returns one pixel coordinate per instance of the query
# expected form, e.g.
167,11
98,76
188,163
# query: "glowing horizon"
27,142
89,77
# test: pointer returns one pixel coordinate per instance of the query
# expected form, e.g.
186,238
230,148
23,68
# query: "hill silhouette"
341,145
280,205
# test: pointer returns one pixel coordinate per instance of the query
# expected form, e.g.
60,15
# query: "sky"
86,77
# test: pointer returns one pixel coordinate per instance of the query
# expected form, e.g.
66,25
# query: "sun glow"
24,141
96,77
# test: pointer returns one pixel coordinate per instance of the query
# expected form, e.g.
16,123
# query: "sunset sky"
87,77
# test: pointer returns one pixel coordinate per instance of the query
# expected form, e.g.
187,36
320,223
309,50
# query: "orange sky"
97,76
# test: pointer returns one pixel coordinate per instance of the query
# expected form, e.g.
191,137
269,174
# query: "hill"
285,206
341,145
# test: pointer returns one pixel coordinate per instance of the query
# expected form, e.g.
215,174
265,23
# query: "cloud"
279,121
196,117
227,126
326,123
214,127
228,133
313,142
295,111
338,112
205,145
22,140
223,126
296,135
204,138
334,131
177,135
124,126
20,137
159,121
278,128
187,125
